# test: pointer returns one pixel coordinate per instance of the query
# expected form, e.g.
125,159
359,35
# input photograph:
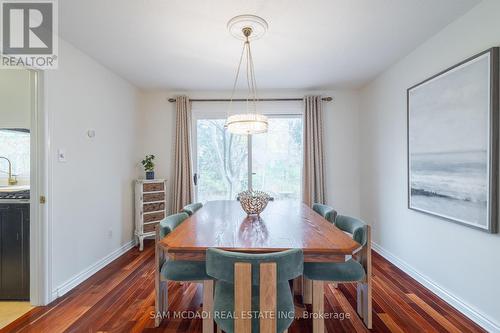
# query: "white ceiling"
184,44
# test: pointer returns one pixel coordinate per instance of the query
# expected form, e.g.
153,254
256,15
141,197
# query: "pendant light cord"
249,86
251,81
252,77
236,81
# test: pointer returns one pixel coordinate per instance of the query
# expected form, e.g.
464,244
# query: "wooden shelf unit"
150,207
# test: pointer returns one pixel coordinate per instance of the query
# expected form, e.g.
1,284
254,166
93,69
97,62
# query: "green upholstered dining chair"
168,224
177,270
327,212
254,282
356,269
303,286
192,208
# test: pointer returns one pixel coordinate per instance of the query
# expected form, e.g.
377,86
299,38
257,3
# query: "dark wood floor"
120,298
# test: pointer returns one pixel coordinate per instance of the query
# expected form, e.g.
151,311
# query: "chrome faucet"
12,181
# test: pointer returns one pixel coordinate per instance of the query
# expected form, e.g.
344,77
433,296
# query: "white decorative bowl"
253,202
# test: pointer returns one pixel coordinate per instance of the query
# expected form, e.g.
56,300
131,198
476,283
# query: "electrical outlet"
61,155
110,233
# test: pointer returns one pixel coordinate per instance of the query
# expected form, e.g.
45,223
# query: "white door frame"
40,235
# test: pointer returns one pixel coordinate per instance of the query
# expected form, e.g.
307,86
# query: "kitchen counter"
14,188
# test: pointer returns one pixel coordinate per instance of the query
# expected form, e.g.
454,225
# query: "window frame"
218,110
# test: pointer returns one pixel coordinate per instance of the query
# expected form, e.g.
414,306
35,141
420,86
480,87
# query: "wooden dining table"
282,225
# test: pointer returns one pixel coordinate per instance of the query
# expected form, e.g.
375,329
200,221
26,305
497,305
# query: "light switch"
61,155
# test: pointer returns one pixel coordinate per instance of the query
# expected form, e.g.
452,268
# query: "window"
277,158
221,160
15,145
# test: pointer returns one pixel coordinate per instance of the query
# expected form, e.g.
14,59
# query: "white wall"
15,112
460,261
91,193
15,97
341,138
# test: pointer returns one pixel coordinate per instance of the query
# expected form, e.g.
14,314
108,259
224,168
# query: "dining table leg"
318,306
297,286
307,285
208,306
298,290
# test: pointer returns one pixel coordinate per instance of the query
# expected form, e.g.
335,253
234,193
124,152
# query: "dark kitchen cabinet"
14,251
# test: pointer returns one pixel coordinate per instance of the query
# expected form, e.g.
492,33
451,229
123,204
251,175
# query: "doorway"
20,212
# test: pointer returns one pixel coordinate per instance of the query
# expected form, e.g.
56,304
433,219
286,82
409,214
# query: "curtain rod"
326,99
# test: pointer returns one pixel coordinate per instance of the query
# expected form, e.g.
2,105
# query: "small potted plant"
149,166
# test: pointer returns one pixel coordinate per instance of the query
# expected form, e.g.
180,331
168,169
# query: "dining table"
283,225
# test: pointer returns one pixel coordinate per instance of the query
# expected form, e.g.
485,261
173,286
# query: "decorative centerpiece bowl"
253,202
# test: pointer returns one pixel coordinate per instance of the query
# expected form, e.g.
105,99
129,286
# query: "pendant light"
247,28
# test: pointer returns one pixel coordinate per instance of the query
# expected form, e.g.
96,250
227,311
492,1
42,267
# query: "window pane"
221,161
15,145
277,159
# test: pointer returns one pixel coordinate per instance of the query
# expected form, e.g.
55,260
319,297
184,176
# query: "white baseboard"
465,308
85,274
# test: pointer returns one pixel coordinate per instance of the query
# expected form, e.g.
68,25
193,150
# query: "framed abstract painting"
453,143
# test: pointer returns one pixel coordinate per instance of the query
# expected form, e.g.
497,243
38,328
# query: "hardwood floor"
120,298
11,310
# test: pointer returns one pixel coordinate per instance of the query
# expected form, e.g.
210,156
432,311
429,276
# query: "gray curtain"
313,180
183,187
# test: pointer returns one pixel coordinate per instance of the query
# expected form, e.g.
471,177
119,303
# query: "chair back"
220,264
168,224
354,226
242,272
192,208
327,212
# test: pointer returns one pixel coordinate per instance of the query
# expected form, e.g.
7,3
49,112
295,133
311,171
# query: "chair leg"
164,296
208,306
157,293
157,302
364,289
161,287
161,301
267,297
307,291
242,297
364,303
359,300
318,305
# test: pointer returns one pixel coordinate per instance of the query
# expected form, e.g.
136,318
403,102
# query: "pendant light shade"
247,123
247,27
